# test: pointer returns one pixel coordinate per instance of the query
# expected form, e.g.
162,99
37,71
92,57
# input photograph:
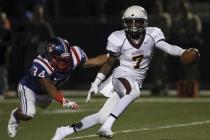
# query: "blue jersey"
42,69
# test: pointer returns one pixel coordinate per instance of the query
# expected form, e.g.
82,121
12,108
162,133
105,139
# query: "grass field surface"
148,118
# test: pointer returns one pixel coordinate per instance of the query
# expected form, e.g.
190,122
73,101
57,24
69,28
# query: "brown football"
189,56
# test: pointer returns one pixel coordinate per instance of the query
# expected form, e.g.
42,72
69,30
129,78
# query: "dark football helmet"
58,54
135,21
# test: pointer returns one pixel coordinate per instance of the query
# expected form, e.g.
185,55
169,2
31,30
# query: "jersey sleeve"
84,57
158,35
114,44
170,49
79,56
40,69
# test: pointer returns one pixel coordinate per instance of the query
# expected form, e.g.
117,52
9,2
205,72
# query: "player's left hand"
88,97
190,56
70,104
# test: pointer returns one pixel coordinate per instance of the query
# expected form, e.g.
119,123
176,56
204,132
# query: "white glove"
94,86
70,104
93,90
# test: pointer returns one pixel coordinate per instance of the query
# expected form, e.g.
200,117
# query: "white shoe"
12,125
59,133
106,133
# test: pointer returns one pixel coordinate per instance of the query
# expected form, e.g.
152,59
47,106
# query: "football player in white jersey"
41,84
133,47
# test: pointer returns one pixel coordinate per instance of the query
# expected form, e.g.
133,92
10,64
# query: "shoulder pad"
117,38
79,56
43,65
155,33
153,30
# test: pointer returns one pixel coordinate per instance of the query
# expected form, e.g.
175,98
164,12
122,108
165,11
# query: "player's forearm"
105,69
51,90
95,61
170,49
102,74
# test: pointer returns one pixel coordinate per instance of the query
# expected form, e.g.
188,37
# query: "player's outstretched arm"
168,48
95,61
56,94
187,56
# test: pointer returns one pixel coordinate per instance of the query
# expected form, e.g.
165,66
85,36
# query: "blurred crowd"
182,27
26,39
26,31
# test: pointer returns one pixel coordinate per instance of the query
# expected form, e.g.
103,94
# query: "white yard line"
147,129
62,111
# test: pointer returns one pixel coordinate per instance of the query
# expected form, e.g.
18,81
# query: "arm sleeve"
168,48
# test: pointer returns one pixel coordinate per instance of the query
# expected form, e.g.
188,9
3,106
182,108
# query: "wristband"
59,98
100,77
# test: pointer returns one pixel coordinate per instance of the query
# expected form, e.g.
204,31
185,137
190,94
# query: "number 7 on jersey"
138,59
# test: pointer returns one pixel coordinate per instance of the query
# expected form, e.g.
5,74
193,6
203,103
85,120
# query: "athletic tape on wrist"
100,77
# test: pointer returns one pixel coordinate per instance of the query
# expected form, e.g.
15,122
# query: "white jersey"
134,61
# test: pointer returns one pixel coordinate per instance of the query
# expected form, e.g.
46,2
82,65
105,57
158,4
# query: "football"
190,56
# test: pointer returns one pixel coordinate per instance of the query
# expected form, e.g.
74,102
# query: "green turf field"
146,119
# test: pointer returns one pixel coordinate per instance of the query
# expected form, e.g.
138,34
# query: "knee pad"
102,117
135,92
30,114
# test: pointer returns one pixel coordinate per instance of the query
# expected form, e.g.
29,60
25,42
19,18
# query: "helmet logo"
65,54
132,15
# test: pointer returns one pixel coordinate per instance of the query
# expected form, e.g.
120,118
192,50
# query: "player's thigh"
125,85
43,101
27,100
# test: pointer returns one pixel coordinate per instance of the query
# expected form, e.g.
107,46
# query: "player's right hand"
93,90
75,106
70,104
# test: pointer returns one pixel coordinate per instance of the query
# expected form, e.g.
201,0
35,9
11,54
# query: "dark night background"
88,23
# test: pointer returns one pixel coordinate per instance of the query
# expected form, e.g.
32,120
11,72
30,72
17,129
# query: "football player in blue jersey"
42,81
